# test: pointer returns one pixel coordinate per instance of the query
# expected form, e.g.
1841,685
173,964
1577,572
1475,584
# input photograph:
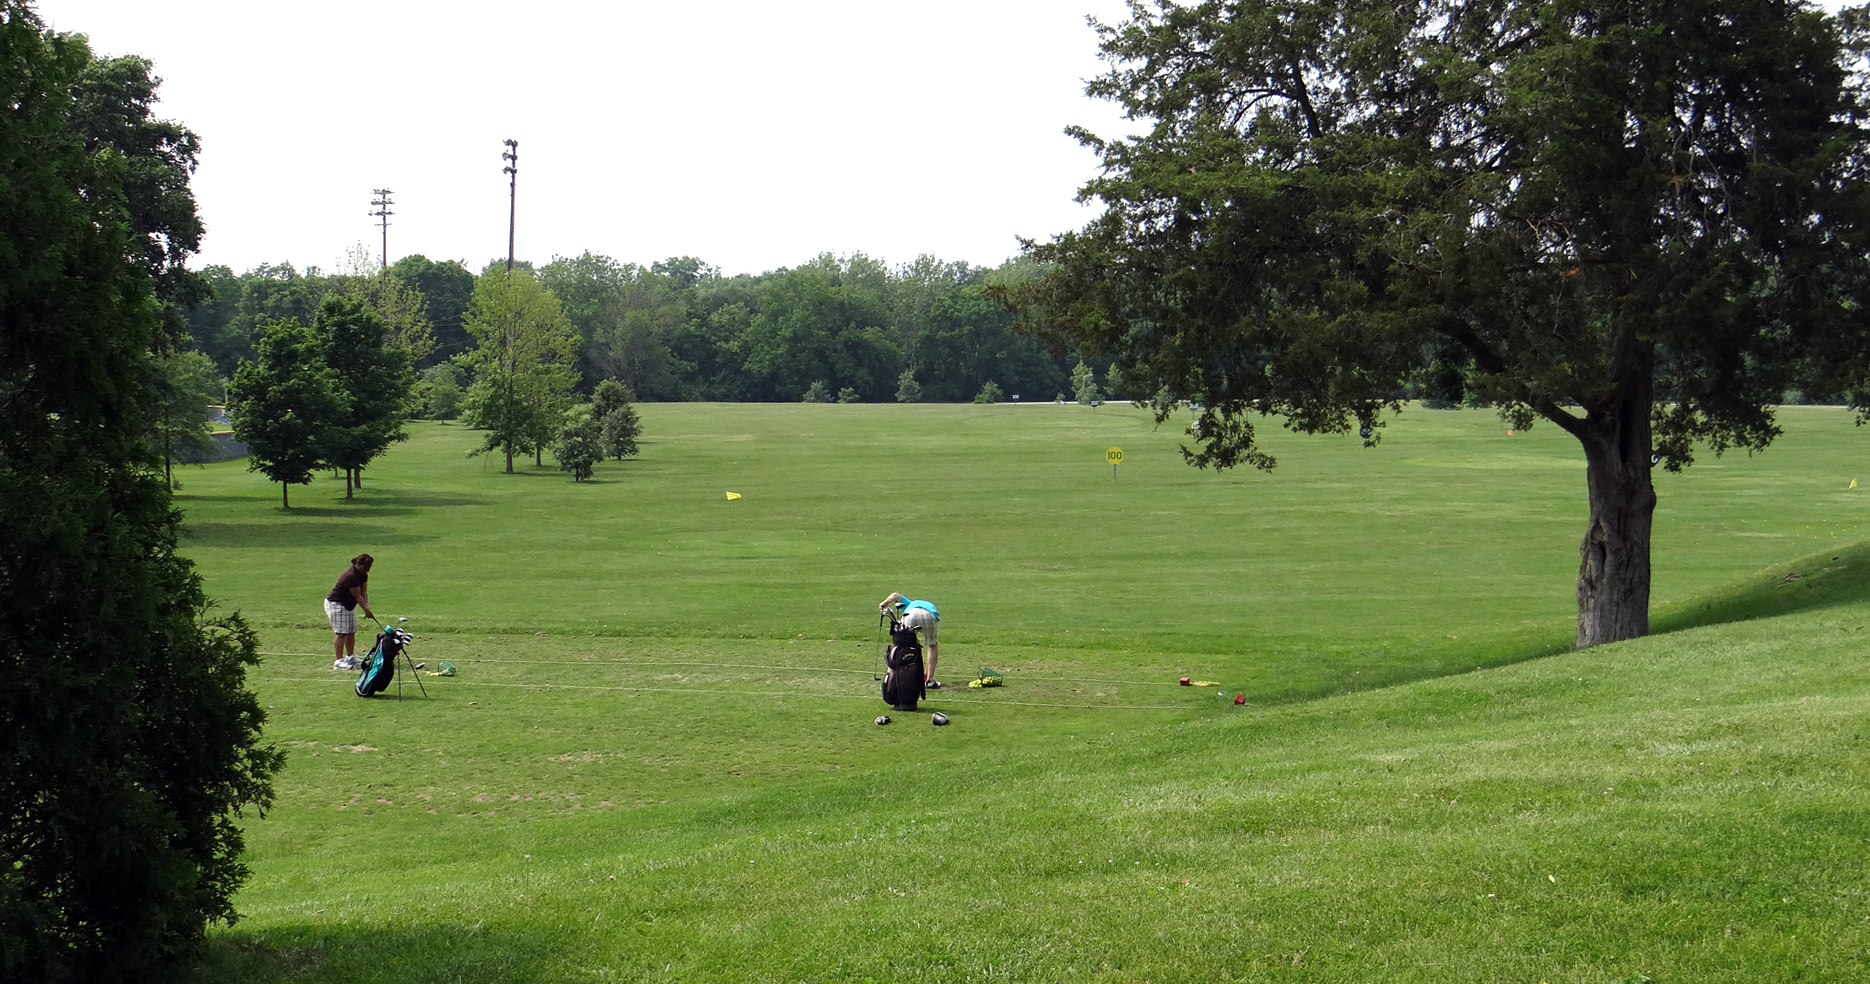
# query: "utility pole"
382,204
511,156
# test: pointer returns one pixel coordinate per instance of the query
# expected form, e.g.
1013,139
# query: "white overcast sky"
753,135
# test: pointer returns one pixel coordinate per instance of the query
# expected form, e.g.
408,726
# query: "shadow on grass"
1830,579
382,502
268,534
366,953
1840,576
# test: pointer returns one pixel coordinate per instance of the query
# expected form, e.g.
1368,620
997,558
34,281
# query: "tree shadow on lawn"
379,502
1829,579
359,952
310,534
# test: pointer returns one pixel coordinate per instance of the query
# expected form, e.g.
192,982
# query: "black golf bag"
379,669
902,674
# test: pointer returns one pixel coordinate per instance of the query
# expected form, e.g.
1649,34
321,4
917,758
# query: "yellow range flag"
1853,483
731,496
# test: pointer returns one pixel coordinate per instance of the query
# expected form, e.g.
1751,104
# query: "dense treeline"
839,328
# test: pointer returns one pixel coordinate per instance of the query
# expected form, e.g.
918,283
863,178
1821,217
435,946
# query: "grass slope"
695,792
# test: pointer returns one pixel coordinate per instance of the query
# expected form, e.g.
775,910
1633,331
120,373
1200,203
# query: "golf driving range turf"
657,761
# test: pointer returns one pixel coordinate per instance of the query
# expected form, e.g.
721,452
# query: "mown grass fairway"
658,761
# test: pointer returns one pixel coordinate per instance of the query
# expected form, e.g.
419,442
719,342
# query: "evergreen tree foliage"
1084,384
128,739
989,393
1115,386
287,405
907,389
1640,221
818,392
617,421
618,431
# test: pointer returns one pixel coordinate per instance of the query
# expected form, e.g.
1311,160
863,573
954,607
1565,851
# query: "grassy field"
658,763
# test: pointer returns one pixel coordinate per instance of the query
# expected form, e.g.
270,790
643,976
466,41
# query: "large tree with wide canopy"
1643,221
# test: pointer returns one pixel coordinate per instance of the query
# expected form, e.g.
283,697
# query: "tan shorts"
924,621
343,620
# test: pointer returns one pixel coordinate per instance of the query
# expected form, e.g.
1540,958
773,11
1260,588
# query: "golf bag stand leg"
410,662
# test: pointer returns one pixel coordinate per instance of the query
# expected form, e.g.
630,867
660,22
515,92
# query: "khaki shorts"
343,620
924,620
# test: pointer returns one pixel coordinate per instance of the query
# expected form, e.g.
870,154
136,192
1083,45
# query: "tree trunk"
285,500
509,459
347,483
1613,575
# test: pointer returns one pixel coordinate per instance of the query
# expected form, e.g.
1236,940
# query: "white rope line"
811,669
756,666
772,693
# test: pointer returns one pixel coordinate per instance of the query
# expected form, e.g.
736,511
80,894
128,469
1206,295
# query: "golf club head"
938,719
883,719
404,618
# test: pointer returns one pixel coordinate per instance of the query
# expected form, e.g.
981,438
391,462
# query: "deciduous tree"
522,363
113,107
578,448
183,386
286,405
400,304
373,374
447,288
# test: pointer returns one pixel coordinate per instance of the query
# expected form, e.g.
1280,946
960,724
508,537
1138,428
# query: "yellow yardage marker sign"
1114,456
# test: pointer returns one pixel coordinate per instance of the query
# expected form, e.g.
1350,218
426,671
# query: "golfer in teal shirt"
921,616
